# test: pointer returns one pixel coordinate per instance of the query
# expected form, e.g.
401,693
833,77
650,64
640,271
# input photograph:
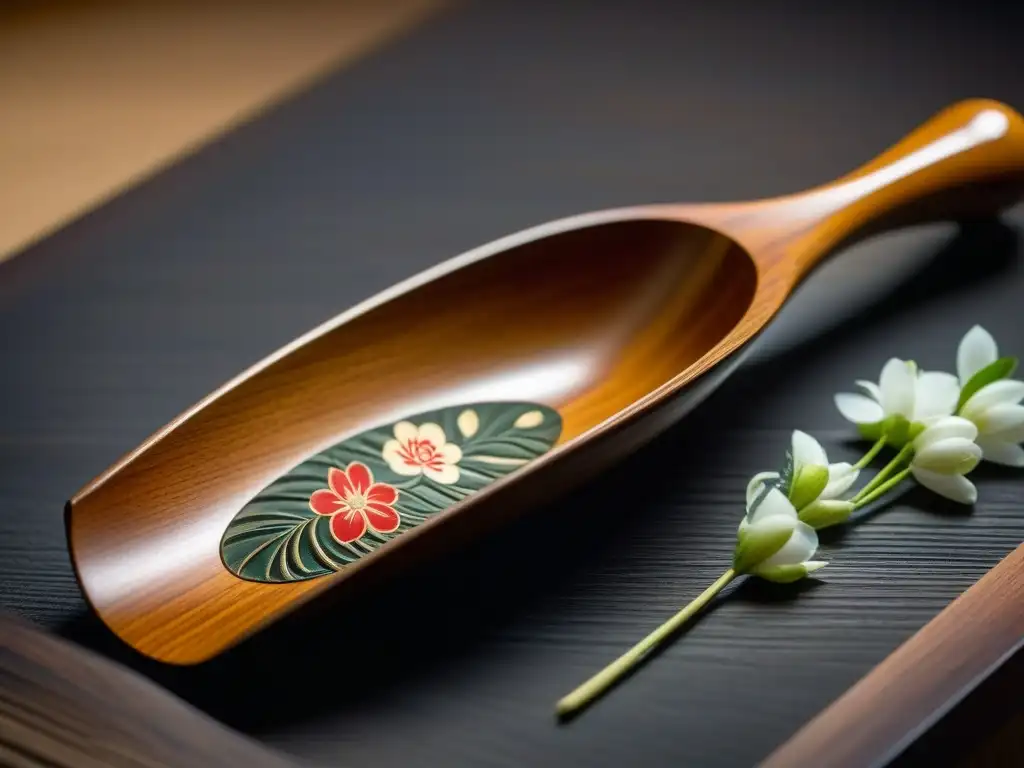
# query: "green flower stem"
867,457
883,473
596,685
882,489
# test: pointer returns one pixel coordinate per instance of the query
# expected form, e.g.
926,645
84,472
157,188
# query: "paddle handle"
966,161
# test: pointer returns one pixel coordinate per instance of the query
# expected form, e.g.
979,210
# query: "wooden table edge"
872,722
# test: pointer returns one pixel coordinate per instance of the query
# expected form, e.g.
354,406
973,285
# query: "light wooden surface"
97,95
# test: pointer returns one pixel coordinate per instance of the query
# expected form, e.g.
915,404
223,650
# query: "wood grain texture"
605,318
63,707
99,95
875,720
134,312
983,730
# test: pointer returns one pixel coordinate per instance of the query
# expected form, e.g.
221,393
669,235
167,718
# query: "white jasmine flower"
990,399
943,454
773,542
902,403
812,485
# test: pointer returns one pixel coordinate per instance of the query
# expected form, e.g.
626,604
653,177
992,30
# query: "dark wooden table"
494,117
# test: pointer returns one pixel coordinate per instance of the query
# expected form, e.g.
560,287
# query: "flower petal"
360,476
529,420
825,513
898,384
1001,391
840,477
1001,417
348,526
977,349
786,574
808,483
447,474
781,574
757,483
756,543
469,422
801,546
382,493
405,431
807,451
324,502
339,482
936,395
858,408
382,517
955,487
433,434
871,388
1002,452
950,456
774,504
941,429
450,453
392,454
1011,435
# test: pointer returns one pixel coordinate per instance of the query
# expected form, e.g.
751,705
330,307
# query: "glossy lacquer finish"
609,320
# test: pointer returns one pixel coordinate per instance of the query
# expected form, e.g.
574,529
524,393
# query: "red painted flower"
354,501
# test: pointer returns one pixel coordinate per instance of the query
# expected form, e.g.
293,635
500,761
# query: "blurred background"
97,94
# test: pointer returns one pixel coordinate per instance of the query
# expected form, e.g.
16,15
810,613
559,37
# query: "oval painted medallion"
346,501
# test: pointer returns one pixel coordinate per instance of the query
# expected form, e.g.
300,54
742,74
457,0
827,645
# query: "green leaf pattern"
277,537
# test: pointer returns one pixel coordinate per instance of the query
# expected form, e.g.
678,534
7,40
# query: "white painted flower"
422,450
943,454
902,403
993,400
773,543
816,486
